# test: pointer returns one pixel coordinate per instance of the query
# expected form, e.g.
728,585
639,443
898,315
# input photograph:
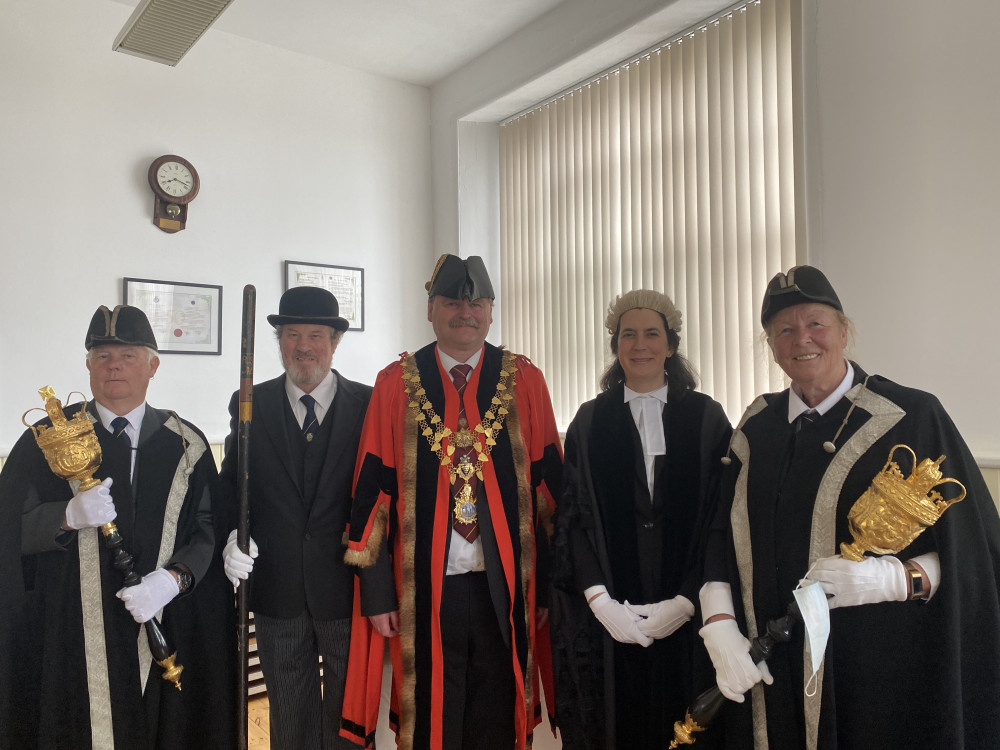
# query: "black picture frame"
347,284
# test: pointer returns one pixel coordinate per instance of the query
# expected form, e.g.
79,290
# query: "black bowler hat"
800,285
123,325
308,305
460,279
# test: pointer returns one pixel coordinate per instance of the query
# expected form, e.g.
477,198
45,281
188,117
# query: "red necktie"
466,482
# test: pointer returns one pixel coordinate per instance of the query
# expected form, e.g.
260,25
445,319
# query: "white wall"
901,162
299,160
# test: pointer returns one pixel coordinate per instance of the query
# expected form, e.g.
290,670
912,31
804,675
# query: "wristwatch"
915,584
184,578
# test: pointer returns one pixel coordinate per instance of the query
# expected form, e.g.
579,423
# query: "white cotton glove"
237,564
662,618
91,508
735,671
621,624
155,592
873,580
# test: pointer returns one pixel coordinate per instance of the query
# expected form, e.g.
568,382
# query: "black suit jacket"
300,538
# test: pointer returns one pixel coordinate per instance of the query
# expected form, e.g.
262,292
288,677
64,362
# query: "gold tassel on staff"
891,513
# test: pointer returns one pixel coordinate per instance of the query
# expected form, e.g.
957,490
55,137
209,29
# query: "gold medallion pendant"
465,468
463,438
465,506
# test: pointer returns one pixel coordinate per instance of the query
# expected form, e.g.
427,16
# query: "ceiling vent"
164,30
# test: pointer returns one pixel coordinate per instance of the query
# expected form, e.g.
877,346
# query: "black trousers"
302,717
479,690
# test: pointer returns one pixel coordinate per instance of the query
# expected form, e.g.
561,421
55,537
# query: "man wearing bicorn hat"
458,469
303,442
900,649
85,676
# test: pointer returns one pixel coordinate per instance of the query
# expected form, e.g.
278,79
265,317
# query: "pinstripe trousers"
302,716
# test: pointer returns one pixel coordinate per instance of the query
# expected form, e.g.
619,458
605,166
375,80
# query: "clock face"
175,179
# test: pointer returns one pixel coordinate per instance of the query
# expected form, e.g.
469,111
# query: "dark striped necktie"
806,417
118,425
464,455
310,423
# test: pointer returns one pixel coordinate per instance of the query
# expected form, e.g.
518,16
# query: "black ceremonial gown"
57,643
896,674
609,531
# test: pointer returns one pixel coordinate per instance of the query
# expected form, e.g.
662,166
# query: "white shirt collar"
797,406
324,394
447,361
134,418
659,394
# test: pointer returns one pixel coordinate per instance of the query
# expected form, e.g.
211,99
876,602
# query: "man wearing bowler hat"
458,469
84,675
303,441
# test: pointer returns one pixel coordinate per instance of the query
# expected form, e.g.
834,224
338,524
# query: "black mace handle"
164,655
707,705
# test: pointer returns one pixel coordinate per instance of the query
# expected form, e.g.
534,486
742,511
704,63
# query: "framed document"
186,318
347,285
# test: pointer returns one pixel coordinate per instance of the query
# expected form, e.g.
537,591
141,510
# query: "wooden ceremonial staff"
243,521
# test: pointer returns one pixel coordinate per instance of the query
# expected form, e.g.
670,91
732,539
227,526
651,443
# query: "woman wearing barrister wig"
913,654
639,462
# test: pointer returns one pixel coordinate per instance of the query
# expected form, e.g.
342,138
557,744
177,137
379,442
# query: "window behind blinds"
674,172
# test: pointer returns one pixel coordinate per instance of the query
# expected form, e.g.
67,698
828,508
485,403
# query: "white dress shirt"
797,406
463,556
324,393
133,428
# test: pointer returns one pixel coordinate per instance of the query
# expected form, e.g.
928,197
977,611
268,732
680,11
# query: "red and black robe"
402,494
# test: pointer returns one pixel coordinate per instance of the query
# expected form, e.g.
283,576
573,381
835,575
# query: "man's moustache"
461,322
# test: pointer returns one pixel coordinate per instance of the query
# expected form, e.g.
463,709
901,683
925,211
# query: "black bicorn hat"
800,285
123,325
308,305
460,279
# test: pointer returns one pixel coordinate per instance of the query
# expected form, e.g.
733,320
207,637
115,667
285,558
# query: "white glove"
237,564
873,580
735,671
663,618
155,592
621,624
91,508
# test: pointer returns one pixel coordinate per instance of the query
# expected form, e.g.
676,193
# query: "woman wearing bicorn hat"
912,658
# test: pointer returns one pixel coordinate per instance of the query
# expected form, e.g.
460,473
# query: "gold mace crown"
70,445
895,509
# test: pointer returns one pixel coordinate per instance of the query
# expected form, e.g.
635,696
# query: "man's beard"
305,373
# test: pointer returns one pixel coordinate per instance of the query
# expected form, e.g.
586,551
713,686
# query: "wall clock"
175,183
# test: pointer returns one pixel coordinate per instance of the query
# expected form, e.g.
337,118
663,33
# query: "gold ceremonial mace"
73,452
891,513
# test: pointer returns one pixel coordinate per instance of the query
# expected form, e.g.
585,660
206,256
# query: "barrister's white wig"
644,298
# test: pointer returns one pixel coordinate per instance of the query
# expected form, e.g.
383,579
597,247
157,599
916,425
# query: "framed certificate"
186,318
347,285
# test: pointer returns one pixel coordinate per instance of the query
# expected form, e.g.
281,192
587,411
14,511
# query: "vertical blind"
673,172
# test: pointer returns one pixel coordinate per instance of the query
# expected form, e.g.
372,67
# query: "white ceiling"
416,41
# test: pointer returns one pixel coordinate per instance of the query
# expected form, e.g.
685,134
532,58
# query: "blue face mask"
815,611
